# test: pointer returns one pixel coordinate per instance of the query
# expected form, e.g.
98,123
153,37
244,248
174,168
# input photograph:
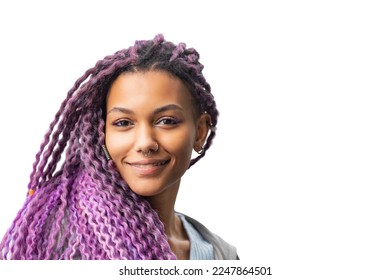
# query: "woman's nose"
145,140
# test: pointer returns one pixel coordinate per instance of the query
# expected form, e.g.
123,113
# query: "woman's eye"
123,123
168,121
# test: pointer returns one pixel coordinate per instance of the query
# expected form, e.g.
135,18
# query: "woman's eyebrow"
166,108
120,110
155,112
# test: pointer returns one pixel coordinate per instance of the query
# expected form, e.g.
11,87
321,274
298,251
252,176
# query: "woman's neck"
164,204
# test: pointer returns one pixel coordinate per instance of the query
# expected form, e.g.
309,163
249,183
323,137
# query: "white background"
298,174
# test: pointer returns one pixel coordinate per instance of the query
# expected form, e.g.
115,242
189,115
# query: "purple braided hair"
84,209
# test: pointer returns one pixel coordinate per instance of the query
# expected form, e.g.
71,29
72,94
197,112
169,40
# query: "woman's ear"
203,127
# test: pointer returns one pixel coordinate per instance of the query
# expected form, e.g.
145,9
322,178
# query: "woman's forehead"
143,90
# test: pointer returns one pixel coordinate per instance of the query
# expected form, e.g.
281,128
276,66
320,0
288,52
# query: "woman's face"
146,110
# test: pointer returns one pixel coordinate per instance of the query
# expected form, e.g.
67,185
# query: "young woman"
127,130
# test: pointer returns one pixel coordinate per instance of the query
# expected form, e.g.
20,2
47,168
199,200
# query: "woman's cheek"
117,144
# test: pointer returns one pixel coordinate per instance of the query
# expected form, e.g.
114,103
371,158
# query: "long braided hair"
84,209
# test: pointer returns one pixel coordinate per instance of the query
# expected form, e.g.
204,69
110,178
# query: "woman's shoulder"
222,249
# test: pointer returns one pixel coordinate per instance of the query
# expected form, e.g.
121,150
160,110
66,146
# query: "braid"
84,209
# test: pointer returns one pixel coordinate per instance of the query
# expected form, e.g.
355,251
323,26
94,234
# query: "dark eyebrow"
120,110
167,108
155,112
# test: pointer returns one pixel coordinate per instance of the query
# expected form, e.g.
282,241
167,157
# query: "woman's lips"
148,167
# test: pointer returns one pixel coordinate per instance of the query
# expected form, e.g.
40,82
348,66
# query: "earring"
105,151
200,151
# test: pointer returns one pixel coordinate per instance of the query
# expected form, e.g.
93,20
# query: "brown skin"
151,130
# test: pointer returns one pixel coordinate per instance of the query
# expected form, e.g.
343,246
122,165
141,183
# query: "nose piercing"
148,153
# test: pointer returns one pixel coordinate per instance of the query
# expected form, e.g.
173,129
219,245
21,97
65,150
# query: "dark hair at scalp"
84,210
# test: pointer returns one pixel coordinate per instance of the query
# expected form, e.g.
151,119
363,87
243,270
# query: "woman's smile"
149,167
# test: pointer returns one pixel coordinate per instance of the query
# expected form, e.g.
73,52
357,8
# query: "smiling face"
151,130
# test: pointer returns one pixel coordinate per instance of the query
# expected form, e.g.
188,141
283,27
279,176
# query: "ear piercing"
105,151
